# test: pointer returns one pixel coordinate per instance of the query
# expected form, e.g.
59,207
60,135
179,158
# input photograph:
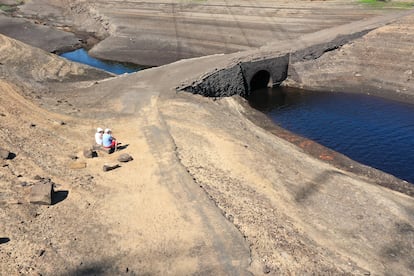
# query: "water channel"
370,130
118,68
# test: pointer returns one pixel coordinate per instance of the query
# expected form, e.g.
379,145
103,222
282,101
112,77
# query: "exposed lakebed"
371,130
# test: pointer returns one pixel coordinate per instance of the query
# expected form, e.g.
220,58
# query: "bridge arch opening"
261,79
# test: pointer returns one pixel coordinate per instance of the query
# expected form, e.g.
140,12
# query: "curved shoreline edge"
208,191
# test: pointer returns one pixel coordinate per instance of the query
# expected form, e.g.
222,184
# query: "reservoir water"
371,130
82,56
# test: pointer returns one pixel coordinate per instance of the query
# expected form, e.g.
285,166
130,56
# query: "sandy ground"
209,192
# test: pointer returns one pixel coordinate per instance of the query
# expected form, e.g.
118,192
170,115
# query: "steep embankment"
157,32
380,63
39,74
146,217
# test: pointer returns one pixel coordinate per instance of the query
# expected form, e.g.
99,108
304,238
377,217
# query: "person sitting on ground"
98,136
108,141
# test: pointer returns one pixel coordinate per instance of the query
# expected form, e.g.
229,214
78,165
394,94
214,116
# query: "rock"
4,154
41,193
59,123
73,157
4,240
77,165
266,269
125,157
89,153
108,167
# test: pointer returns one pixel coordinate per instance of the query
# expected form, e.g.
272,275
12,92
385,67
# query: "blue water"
371,130
82,56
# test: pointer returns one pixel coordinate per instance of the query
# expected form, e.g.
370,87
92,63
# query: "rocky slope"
379,63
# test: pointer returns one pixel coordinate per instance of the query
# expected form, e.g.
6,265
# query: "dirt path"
146,210
156,209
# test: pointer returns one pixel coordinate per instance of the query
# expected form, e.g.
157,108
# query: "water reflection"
371,130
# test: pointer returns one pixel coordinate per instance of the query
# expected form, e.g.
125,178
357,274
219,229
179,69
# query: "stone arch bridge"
242,78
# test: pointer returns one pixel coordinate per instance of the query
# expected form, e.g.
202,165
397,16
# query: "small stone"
41,193
4,154
266,269
73,157
108,167
59,123
89,153
125,157
41,252
77,165
357,75
32,125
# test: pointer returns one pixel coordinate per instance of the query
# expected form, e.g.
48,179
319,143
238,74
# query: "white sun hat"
99,129
107,130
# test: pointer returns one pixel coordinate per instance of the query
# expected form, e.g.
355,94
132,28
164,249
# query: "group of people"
105,139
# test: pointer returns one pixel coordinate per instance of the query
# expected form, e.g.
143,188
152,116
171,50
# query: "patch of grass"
7,8
12,7
389,4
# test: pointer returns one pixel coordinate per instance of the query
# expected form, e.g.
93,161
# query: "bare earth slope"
209,192
380,63
159,32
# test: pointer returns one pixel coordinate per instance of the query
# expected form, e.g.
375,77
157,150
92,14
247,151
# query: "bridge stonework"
236,80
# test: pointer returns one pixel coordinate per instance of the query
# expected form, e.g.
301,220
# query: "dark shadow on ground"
313,186
4,240
121,147
97,268
59,196
11,156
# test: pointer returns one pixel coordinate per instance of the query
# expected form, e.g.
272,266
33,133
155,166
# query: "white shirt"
98,138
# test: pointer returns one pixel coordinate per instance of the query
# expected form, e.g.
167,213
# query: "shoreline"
214,186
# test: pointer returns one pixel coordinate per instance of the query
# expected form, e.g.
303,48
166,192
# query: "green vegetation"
11,8
7,8
389,4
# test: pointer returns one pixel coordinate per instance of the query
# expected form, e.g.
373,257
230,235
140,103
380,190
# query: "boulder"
125,157
41,193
